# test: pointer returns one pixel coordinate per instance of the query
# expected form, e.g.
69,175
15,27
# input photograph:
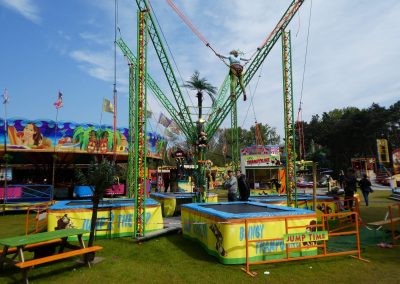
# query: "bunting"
149,112
174,127
164,121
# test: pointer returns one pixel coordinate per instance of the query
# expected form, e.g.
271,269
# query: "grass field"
173,259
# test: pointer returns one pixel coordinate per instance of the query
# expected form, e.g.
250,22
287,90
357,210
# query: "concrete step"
171,225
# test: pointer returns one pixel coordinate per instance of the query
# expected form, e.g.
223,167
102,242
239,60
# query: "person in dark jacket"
350,187
244,190
341,179
365,186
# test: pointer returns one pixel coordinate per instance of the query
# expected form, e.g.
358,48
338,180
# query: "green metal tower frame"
140,127
131,142
182,109
150,82
290,146
224,103
235,138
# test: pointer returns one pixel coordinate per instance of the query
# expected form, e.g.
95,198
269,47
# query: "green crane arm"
184,113
154,87
224,103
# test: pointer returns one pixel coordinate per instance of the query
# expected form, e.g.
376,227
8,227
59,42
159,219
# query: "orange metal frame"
345,221
322,246
393,221
39,224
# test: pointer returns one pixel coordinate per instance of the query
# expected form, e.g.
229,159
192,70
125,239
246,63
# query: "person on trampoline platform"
232,186
244,190
350,187
235,71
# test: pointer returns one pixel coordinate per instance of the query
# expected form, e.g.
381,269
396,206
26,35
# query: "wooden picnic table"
17,246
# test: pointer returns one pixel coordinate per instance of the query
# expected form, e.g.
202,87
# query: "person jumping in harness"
235,71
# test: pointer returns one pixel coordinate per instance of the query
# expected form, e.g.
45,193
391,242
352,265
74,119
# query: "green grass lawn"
173,259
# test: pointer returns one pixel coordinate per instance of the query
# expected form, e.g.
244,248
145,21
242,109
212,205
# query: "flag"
108,106
6,98
174,127
164,121
149,112
59,103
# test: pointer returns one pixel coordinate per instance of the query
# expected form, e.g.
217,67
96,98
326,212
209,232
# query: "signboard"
47,135
261,160
306,237
383,151
396,161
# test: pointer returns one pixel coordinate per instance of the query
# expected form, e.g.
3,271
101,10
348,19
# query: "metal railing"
319,242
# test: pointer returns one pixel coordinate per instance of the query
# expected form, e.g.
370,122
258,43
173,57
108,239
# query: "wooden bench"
383,222
20,244
33,262
31,246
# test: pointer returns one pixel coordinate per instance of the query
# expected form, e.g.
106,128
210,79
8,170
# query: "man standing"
350,187
166,182
232,186
244,190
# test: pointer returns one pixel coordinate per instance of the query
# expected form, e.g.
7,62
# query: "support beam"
150,82
140,128
131,141
290,147
184,113
224,103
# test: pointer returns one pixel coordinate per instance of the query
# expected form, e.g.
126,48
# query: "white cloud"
64,35
26,8
95,38
98,65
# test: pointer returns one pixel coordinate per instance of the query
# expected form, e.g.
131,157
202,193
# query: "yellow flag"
108,106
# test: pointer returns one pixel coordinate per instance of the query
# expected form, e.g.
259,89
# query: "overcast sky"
47,46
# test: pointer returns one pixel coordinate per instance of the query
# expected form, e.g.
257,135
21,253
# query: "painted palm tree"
106,136
83,135
200,85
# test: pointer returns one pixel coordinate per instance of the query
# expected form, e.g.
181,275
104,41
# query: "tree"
100,176
200,85
342,134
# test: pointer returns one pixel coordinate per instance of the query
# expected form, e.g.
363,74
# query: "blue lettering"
254,232
264,247
148,216
109,227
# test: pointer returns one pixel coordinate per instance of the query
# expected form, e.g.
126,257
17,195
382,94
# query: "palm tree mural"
91,139
84,135
200,85
106,139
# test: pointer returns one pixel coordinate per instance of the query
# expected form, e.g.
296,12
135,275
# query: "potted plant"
118,187
100,176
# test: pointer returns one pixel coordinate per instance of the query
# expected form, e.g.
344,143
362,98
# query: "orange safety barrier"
40,218
343,205
394,220
319,244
